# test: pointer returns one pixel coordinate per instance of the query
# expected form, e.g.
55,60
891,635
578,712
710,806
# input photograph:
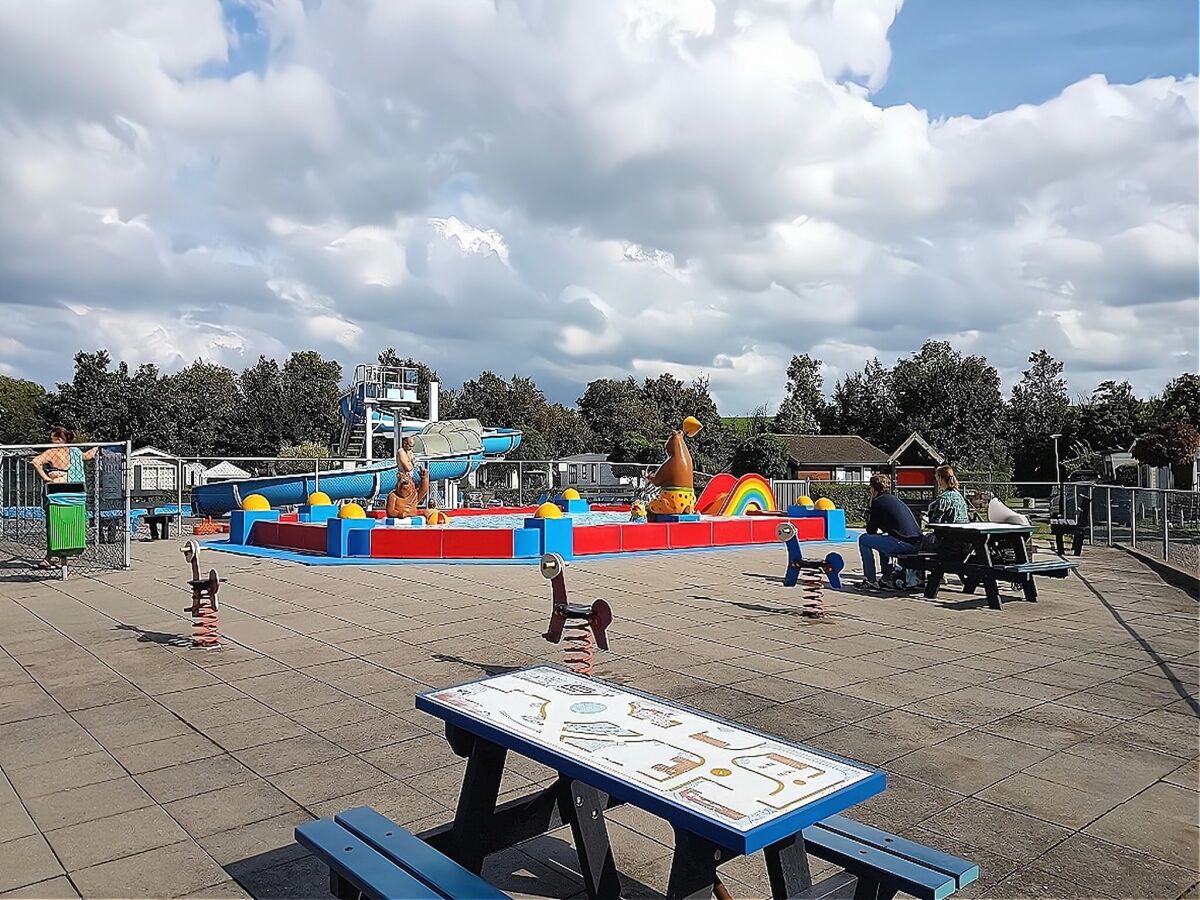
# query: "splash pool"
517,520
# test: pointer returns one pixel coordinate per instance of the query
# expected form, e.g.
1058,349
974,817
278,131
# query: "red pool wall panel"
650,536
477,543
809,529
265,534
298,536
762,529
289,517
597,539
732,531
407,543
683,535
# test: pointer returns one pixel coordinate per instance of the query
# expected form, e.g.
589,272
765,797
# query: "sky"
584,190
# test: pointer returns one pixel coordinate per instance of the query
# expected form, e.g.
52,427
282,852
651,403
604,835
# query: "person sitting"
950,507
892,530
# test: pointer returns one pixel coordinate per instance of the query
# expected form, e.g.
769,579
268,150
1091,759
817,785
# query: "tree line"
953,399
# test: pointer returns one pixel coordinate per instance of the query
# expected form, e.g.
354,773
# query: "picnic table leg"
476,803
1076,544
992,589
1058,543
933,581
585,811
787,867
1030,589
694,866
970,585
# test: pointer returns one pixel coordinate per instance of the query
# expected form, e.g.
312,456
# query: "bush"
1127,475
853,498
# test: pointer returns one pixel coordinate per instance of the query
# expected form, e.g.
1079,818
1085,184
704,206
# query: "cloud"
571,191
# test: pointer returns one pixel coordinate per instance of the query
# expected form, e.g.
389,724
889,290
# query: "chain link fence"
25,525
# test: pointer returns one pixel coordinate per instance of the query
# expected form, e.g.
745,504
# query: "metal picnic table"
725,789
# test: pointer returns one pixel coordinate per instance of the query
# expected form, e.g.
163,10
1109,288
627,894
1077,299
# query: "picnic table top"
738,787
983,527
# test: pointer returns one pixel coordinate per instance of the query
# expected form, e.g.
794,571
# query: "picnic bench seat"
1077,529
973,574
370,856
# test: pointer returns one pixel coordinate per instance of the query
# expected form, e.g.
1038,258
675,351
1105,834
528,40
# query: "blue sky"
956,57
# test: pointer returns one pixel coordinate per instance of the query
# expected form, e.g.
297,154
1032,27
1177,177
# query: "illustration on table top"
736,777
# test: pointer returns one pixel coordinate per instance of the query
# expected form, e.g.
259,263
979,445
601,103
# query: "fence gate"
103,523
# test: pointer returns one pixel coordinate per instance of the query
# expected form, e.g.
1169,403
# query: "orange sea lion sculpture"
675,477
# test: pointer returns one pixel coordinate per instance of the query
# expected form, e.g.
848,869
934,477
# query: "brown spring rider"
583,625
206,628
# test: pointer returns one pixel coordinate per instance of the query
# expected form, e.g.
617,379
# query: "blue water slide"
496,441
366,483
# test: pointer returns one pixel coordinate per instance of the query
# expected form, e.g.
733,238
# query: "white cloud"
573,190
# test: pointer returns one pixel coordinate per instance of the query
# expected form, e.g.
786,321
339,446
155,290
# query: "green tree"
1110,418
863,404
95,402
1040,407
307,458
760,452
613,408
311,387
21,406
954,401
1180,400
1170,444
804,403
205,406
263,415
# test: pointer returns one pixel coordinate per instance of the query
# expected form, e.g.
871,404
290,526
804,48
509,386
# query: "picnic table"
726,791
984,553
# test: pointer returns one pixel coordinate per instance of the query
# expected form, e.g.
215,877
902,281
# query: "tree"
863,404
311,387
804,404
1040,407
1180,400
613,408
308,456
1110,418
954,401
95,402
263,415
1171,444
206,408
21,406
760,452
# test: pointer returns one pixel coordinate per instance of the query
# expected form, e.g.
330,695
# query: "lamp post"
1058,478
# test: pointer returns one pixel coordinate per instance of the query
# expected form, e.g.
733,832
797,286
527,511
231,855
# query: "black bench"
370,856
159,525
1060,528
1020,574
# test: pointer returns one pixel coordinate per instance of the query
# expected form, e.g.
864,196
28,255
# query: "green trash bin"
66,519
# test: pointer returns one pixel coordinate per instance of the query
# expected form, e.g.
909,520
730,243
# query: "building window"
595,473
573,474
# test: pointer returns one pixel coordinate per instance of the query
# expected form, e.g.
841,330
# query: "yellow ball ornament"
256,503
352,511
570,494
319,498
548,511
805,501
825,503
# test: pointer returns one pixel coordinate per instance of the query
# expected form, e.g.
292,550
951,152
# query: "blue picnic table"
726,790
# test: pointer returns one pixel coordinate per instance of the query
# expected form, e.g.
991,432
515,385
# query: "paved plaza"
1055,744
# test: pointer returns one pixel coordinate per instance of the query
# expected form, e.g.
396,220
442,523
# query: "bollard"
206,627
585,626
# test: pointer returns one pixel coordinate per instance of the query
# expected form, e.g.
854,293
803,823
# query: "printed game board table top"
738,788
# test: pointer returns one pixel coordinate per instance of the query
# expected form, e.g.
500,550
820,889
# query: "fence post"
1166,520
1108,513
179,498
1133,517
126,484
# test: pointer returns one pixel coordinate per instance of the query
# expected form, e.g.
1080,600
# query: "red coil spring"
206,629
577,652
812,593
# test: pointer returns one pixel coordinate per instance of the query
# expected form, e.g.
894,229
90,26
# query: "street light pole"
1058,478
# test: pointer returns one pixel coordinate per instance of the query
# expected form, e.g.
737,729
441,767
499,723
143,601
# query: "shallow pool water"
517,520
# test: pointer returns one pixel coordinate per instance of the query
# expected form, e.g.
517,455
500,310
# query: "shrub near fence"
853,497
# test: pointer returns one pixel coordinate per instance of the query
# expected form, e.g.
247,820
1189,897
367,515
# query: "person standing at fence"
892,530
60,467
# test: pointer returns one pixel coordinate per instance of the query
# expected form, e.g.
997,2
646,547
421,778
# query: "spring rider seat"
808,572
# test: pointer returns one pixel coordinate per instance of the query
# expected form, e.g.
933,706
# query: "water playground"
731,513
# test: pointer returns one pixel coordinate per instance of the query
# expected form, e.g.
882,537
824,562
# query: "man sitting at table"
891,531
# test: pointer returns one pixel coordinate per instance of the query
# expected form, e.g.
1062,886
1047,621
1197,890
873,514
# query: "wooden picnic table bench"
984,553
725,790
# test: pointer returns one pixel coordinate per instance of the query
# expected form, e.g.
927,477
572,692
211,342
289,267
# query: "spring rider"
580,622
808,571
206,629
